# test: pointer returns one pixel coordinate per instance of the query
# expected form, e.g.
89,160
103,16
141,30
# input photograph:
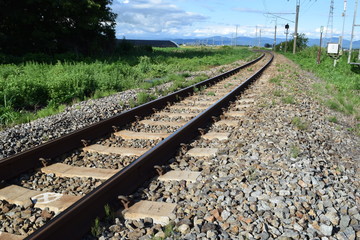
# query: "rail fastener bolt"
85,142
201,131
160,170
125,201
43,161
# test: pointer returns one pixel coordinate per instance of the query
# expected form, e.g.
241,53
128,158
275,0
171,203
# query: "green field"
341,88
30,90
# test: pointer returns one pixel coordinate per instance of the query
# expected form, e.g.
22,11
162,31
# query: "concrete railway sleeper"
118,163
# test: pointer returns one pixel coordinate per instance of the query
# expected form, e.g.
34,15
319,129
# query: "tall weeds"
341,91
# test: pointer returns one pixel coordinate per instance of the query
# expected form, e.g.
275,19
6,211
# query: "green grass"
109,213
275,80
294,151
333,119
278,93
288,99
9,116
96,228
299,123
99,94
228,85
168,231
28,87
341,87
333,105
143,97
281,67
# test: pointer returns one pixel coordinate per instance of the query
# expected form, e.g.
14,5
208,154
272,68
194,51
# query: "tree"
301,43
55,26
267,45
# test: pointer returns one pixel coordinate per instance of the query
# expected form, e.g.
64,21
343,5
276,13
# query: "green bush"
7,115
20,91
144,65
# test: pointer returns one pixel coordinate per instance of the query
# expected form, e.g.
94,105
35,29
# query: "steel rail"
75,221
14,165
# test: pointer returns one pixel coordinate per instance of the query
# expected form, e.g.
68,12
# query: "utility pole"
352,31
236,35
319,53
343,28
275,35
286,33
260,39
296,24
256,35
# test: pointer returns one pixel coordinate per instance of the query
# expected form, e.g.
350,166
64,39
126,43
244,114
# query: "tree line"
301,44
56,26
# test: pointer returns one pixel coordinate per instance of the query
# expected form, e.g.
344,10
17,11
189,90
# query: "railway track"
119,154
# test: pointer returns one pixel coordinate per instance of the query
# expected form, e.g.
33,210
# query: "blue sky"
165,19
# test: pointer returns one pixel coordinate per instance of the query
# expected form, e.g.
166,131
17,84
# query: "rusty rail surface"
75,221
29,159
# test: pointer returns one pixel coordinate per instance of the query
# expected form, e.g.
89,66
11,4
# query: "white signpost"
333,50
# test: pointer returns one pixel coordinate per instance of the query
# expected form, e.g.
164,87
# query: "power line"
305,4
265,6
310,5
276,15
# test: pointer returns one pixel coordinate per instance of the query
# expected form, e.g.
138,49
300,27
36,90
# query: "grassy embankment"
31,90
341,88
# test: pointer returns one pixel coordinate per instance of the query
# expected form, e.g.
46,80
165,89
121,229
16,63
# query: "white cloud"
162,18
166,19
152,16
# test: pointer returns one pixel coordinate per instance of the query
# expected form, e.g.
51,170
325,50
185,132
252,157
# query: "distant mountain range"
248,41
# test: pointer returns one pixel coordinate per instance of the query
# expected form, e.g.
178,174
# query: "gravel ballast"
285,173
